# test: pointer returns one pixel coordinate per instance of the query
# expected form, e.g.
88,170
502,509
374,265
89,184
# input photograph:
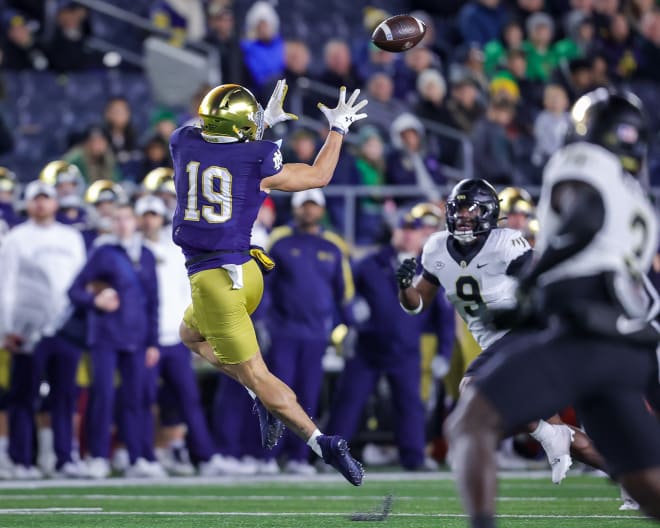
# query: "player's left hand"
274,112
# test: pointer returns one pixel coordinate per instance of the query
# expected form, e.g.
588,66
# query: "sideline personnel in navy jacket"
118,287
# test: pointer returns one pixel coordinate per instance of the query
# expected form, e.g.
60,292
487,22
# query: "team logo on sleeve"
277,159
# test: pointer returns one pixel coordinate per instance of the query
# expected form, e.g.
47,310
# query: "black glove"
406,273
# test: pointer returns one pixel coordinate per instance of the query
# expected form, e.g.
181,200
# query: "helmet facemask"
468,219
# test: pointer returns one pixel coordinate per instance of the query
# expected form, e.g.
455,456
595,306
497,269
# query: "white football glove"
274,112
345,113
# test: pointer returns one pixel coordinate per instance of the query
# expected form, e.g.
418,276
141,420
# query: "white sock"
313,443
542,432
4,445
45,440
252,394
177,443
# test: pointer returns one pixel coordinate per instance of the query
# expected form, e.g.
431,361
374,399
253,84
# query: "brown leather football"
398,33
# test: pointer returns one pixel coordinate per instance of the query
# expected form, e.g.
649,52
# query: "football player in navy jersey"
223,171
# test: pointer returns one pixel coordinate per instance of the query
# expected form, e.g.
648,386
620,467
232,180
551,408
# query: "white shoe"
98,468
296,467
145,469
629,504
268,467
6,467
120,459
178,463
379,455
71,470
558,450
221,465
46,462
509,461
251,463
26,473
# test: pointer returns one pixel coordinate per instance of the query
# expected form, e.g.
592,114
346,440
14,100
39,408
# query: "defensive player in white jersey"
476,263
596,347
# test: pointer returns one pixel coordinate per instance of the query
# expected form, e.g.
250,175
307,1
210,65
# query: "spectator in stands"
263,47
68,49
297,59
481,21
619,49
156,154
415,61
120,131
495,51
410,163
122,325
650,47
39,259
551,125
603,11
540,57
389,344
579,42
20,47
370,163
312,263
339,68
531,91
493,150
580,78
378,60
464,107
184,18
523,9
223,34
383,107
432,90
94,156
635,11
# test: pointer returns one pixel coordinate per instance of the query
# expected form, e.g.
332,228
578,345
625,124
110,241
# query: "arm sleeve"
272,162
571,199
91,270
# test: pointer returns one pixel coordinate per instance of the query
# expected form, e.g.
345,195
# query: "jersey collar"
465,253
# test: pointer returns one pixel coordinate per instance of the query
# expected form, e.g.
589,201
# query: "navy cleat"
271,427
335,452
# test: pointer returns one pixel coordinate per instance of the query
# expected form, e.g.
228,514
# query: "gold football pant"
222,314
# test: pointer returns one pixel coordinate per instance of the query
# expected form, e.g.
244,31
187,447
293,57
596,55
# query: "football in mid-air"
398,33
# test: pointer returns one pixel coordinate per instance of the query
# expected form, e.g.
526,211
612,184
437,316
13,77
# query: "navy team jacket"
134,326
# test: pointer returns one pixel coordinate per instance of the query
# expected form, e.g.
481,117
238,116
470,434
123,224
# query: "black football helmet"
615,121
479,200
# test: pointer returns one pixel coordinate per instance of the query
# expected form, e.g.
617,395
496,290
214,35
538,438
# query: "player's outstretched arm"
414,298
301,176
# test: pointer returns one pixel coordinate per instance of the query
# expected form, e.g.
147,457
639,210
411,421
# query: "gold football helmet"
7,180
60,171
160,180
105,191
516,200
425,214
230,112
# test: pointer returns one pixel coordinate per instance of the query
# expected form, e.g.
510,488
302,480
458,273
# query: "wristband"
338,130
414,311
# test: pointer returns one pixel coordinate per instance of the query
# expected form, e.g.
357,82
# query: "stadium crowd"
98,373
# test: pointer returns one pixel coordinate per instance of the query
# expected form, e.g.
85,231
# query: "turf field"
427,500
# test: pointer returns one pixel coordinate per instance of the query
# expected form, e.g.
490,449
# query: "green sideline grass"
584,502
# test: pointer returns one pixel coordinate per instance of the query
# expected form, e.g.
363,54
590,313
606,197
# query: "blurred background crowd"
90,92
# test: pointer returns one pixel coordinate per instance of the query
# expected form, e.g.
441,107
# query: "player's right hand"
406,273
107,300
345,113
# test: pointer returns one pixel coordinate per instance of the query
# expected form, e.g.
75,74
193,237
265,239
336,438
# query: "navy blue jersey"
218,195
